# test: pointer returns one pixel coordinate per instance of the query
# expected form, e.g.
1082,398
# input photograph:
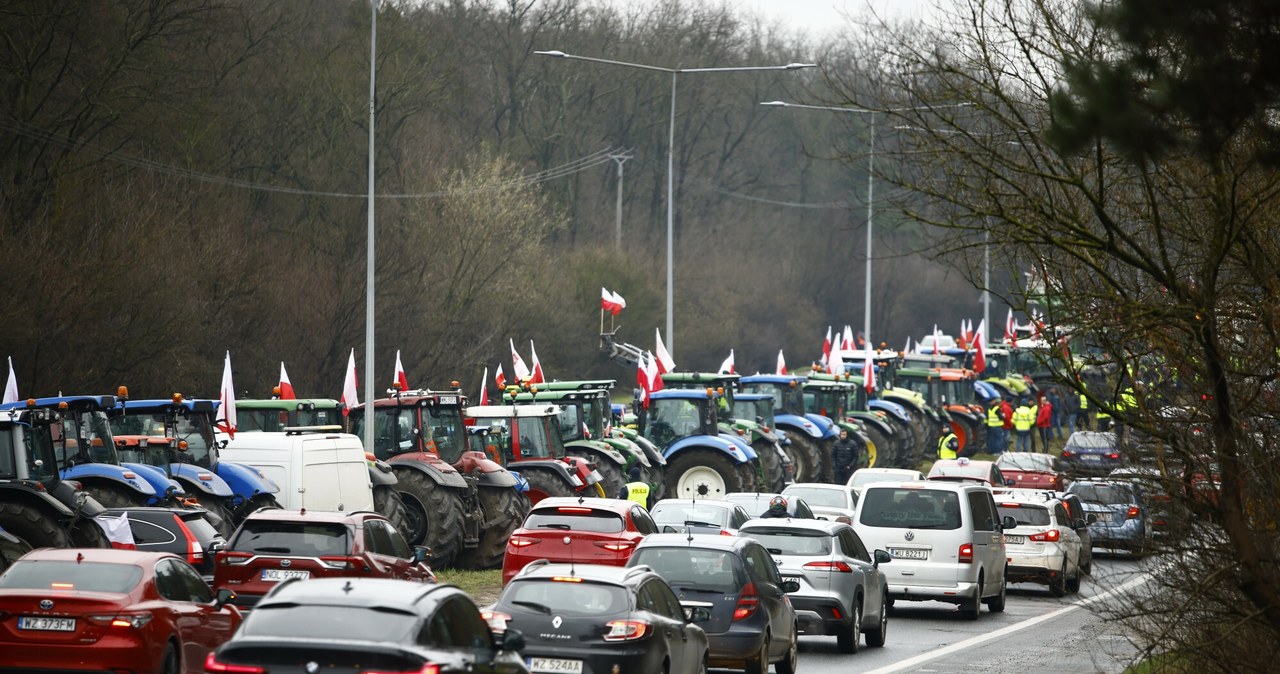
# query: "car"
11,548
1031,470
966,469
752,621
596,618
1091,453
367,625
1121,516
842,589
756,503
577,529
1076,511
1044,547
271,546
1159,504
945,538
116,610
699,516
865,476
185,532
829,501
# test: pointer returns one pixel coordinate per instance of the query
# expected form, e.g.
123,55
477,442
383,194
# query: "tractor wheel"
504,511
701,473
86,533
388,503
433,515
774,480
544,484
812,463
111,497
799,460
827,471
32,527
259,502
748,478
883,454
215,507
653,476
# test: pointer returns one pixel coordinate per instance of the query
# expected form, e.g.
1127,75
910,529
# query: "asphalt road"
1036,633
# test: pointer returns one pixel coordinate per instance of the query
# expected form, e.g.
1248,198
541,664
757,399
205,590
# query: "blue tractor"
811,435
702,462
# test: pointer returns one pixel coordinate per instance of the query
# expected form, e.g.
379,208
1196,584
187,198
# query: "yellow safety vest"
1023,418
1084,401
638,492
944,450
993,417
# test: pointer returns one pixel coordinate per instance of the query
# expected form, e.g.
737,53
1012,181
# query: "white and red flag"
782,364
980,347
11,386
869,374
642,380
654,374
286,388
907,348
664,360
350,384
936,334
826,349
846,341
521,370
620,301
484,388
499,379
226,419
727,366
401,378
1010,328
118,531
611,302
537,377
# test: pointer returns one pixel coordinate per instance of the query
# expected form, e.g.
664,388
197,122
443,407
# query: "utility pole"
620,158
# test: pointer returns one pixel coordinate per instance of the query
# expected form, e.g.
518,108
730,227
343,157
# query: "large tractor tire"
432,514
504,511
544,484
812,452
774,479
111,497
747,477
259,502
799,461
612,476
87,533
654,476
32,527
388,503
216,507
702,473
827,470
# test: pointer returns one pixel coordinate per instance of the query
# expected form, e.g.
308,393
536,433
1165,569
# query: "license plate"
1015,540
47,624
1090,457
277,575
908,553
555,666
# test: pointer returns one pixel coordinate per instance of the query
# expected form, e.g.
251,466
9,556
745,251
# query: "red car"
275,545
1031,470
577,529
115,610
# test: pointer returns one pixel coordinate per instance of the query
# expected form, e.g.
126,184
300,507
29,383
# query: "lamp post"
671,144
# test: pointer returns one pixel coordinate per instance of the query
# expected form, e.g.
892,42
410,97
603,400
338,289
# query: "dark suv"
277,545
596,618
185,532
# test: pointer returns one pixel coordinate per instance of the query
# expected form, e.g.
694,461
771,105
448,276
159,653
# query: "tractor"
811,435
702,461
527,438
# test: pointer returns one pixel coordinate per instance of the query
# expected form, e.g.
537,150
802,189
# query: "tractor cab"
417,421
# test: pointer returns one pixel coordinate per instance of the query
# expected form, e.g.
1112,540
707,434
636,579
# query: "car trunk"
65,622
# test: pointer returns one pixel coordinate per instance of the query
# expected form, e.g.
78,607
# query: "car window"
169,582
375,537
666,600
148,534
642,521
803,511
739,518
333,621
1025,515
574,518
1061,514
826,498
292,538
647,599
399,546
913,508
203,530
196,588
569,598
83,576
680,513
1102,493
457,625
712,570
761,564
982,510
786,541
851,541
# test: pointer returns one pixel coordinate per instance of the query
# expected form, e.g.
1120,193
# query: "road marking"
902,665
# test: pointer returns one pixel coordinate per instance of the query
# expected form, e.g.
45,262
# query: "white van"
315,470
945,538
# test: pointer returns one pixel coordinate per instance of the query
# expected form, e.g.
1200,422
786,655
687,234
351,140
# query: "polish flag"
226,419
782,364
654,374
642,380
846,342
499,379
836,364
727,366
1010,328
907,348
522,372
350,384
664,361
608,303
826,349
286,388
620,301
484,388
935,339
537,377
11,386
869,374
980,346
400,375
118,531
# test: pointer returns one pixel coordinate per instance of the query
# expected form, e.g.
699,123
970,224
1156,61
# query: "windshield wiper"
533,605
563,527
693,523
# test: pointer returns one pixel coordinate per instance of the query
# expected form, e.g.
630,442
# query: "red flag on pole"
727,366
537,376
782,364
484,388
869,374
980,353
826,349
664,361
286,388
654,374
642,380
400,375
521,370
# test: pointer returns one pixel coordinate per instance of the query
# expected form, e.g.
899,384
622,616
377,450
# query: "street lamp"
671,144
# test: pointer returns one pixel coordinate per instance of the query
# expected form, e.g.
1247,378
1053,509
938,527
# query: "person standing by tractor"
948,444
1044,416
1024,419
845,456
995,428
636,489
1006,413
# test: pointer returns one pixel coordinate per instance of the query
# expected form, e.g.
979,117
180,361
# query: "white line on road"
1008,629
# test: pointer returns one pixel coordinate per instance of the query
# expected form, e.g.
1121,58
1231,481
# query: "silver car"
834,502
842,589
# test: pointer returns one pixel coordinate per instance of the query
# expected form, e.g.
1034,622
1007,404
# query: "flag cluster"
611,302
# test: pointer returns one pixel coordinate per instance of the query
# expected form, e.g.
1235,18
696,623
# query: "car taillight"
838,567
1133,512
133,620
966,553
497,620
232,558
213,664
1113,455
615,547
625,630
195,551
748,602
1050,536
725,533
343,562
1066,454
521,541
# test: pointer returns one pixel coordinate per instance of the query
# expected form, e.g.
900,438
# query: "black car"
1091,453
185,532
11,548
596,618
752,622
348,625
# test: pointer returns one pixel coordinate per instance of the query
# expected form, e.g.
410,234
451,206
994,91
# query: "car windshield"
327,621
1026,515
1027,461
680,513
68,575
817,496
862,478
291,538
687,567
754,505
671,419
569,597
977,471
910,508
792,541
572,518
1102,493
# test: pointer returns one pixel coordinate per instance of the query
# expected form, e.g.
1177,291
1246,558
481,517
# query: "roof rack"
299,430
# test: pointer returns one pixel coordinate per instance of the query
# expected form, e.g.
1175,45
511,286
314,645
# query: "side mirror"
217,546
421,554
1008,522
1079,523
882,557
1009,482
512,640
223,597
1091,518
790,586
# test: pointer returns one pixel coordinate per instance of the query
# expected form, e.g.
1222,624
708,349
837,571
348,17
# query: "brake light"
566,579
615,547
725,533
341,562
625,630
232,558
838,567
1010,505
521,541
213,664
966,553
195,551
134,620
1066,453
497,620
1133,512
574,509
1113,455
1050,536
748,602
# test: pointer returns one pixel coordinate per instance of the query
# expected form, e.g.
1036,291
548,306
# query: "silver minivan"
945,538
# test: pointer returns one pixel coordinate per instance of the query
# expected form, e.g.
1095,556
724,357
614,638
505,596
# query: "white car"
865,476
834,502
1044,547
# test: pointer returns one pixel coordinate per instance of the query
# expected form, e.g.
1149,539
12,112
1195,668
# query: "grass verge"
483,586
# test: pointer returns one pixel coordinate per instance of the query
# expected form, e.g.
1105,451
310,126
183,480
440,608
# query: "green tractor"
838,395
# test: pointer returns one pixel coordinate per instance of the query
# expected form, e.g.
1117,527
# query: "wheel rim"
415,519
701,482
793,655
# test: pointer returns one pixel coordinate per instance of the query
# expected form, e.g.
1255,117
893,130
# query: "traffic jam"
693,521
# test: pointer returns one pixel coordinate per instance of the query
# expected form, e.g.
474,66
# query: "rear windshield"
68,575
1091,441
753,506
1034,516
910,508
828,498
1027,461
543,595
977,471
863,479
689,514
711,570
330,622
1102,493
291,538
580,519
792,541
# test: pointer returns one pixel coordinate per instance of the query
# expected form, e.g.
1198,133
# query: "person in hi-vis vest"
636,490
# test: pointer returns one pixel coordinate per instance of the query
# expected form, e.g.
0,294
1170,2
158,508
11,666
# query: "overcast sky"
818,17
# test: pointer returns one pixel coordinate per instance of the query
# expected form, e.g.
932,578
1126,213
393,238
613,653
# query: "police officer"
948,444
844,456
636,490
996,442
